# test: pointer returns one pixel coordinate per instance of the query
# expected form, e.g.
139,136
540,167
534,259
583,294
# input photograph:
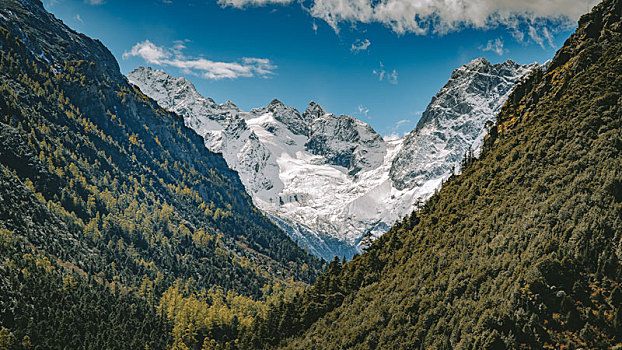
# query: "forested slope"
522,250
109,204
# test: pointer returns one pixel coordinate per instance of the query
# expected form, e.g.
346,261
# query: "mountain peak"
347,142
313,112
510,62
171,92
148,70
144,74
454,121
313,104
274,104
479,62
289,116
141,69
230,104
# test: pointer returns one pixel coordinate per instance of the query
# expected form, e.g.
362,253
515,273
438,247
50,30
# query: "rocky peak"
313,111
347,142
479,79
289,116
455,120
169,90
180,96
276,105
478,63
230,105
476,66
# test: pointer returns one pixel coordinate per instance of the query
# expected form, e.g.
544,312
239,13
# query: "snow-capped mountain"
327,180
347,142
455,121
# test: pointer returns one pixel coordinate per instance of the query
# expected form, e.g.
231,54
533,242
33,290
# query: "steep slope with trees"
522,250
109,202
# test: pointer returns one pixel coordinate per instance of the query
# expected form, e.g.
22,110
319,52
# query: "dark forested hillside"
109,204
522,250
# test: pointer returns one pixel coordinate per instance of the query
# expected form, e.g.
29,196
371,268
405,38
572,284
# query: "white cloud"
524,18
363,111
398,130
208,69
442,16
382,74
392,137
360,45
247,3
178,47
149,52
495,46
379,72
393,77
540,34
78,18
401,122
94,2
314,26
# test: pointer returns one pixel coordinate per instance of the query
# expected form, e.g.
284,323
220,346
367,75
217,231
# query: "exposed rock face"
313,112
290,117
347,142
455,121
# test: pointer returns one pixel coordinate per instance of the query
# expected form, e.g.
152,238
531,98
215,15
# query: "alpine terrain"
137,214
328,180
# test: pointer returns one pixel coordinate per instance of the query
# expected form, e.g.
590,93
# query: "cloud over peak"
495,46
244,68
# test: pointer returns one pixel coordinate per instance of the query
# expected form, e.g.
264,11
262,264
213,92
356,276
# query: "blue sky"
382,65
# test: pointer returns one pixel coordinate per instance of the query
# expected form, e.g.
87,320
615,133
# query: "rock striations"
455,121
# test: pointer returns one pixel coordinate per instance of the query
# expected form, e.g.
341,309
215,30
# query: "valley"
137,213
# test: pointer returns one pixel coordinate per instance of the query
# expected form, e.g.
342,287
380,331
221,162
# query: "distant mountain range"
329,180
